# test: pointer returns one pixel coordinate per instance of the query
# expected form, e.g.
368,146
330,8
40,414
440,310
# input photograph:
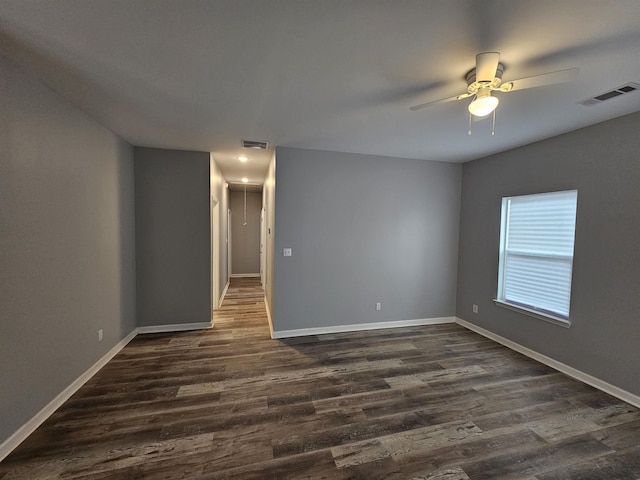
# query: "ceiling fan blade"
486,66
436,102
561,76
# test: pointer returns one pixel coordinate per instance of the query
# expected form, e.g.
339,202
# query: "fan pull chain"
493,127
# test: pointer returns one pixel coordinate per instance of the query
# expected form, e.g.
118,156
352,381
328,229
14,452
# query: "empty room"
319,239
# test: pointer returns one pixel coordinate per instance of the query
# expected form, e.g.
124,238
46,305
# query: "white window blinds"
536,251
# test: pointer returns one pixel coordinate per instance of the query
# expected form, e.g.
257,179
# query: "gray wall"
245,238
173,236
66,245
363,229
603,163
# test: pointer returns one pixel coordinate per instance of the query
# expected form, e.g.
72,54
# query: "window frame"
531,310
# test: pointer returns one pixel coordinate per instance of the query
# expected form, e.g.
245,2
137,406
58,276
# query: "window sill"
532,313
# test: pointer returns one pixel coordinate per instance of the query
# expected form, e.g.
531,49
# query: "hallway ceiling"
324,74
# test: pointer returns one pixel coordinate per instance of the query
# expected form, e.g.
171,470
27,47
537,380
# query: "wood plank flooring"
436,402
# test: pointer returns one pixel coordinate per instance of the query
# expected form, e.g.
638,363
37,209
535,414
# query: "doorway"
245,203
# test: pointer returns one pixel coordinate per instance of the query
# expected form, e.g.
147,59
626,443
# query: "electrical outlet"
100,335
378,306
475,308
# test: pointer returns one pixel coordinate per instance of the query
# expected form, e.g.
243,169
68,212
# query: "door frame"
215,255
229,252
263,214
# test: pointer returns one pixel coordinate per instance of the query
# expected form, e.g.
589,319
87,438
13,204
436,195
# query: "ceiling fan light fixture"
483,104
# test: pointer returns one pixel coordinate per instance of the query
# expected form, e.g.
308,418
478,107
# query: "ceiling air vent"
255,144
616,92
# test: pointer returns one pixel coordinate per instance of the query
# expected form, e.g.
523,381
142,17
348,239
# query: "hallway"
243,311
436,402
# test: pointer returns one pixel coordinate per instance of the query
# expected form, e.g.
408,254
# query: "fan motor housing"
473,86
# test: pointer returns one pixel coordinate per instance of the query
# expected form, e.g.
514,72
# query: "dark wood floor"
436,402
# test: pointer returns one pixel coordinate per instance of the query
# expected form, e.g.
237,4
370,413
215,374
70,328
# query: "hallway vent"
255,144
628,88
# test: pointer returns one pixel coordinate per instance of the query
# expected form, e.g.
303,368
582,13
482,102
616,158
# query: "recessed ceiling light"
243,159
245,180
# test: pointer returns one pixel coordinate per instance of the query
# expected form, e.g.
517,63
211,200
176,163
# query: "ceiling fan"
486,77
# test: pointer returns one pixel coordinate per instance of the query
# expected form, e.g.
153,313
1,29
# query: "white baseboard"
561,367
224,292
356,327
245,275
176,327
38,419
268,309
30,426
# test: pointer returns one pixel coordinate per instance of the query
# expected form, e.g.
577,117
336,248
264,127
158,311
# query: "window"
536,254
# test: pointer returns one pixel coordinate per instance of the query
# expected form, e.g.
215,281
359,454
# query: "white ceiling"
334,75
